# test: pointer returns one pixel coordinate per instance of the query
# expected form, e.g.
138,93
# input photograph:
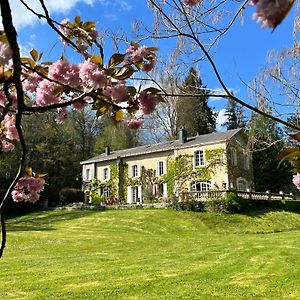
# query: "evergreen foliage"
193,113
265,138
235,117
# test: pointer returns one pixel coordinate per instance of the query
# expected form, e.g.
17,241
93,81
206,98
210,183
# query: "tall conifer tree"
193,113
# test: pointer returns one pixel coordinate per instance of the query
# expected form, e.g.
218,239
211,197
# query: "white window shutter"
140,193
129,195
165,190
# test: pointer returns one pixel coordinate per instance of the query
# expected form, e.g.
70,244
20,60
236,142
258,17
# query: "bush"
190,205
233,203
97,199
71,195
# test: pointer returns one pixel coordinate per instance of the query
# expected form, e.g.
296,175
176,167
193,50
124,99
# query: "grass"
151,254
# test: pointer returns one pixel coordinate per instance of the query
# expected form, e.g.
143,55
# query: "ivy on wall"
180,170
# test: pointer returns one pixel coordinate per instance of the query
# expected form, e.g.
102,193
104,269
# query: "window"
161,168
160,190
106,174
135,171
246,162
242,185
233,156
87,174
135,194
199,158
201,186
104,191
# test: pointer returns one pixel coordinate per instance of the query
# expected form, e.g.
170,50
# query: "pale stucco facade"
139,173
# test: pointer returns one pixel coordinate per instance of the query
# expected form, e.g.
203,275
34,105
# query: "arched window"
201,186
242,184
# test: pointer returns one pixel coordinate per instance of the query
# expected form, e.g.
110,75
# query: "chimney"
182,135
107,150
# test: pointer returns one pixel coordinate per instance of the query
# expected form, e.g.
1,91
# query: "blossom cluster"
296,180
270,13
8,133
28,189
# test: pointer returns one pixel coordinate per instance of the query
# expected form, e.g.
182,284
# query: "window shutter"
129,195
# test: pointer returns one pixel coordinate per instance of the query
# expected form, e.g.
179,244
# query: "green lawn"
151,254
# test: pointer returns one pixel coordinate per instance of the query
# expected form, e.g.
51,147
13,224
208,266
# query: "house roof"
211,138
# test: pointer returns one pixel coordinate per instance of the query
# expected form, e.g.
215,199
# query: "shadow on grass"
259,207
45,220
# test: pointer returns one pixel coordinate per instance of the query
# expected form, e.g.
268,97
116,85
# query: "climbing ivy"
180,170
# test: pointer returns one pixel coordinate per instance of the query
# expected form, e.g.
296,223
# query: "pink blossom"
136,54
296,180
9,123
117,93
271,13
30,84
191,2
45,94
7,146
64,29
64,72
18,196
134,123
148,102
28,189
5,53
148,66
92,76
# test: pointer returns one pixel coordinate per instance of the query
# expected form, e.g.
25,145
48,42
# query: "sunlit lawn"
151,254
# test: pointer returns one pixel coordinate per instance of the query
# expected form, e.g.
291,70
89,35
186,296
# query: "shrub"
233,203
71,195
97,199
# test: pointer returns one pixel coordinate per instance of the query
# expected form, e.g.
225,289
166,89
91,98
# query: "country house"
212,161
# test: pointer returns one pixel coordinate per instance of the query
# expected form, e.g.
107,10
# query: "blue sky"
241,53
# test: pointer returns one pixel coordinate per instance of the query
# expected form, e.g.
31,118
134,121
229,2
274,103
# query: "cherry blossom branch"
11,34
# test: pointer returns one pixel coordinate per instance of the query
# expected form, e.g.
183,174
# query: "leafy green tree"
115,135
193,113
265,139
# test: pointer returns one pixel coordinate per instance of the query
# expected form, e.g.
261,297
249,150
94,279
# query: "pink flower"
191,2
11,132
117,93
148,102
30,84
45,94
296,180
270,12
7,146
18,196
64,28
5,53
135,54
65,73
148,66
134,123
28,189
92,76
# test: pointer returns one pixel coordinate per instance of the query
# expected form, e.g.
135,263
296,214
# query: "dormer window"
199,158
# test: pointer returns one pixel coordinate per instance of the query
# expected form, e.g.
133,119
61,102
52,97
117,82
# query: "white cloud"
221,119
22,17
